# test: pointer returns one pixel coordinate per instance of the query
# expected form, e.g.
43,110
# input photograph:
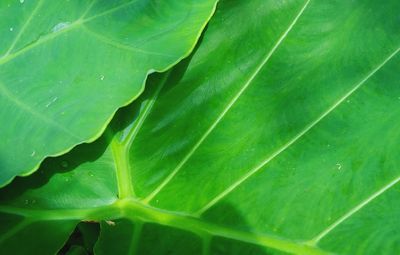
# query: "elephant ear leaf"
67,66
280,134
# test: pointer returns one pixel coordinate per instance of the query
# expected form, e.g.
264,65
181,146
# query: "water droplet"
67,179
52,101
157,201
339,166
110,222
33,153
91,174
22,1
64,164
26,201
11,29
102,77
60,26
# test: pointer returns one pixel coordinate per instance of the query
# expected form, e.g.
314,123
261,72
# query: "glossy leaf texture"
278,135
67,66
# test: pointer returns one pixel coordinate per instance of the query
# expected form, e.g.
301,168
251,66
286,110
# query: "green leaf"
66,66
279,135
76,250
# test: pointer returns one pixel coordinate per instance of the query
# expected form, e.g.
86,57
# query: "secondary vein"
48,37
23,28
227,108
28,109
128,140
298,136
352,211
108,41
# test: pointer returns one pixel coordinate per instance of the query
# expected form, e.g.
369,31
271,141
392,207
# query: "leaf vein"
227,108
53,35
22,30
7,94
298,136
353,210
116,44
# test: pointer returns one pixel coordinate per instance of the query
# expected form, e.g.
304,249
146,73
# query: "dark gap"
84,236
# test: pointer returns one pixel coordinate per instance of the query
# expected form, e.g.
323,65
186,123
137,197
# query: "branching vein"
53,35
352,211
227,108
298,136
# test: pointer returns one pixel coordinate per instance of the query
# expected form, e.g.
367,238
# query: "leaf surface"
66,66
279,135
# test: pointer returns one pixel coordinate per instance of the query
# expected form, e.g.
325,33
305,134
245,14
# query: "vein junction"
135,211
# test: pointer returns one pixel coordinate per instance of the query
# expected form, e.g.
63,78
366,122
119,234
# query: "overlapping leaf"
279,135
66,66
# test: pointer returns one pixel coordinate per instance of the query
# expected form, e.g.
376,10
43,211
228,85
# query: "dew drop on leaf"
60,26
110,222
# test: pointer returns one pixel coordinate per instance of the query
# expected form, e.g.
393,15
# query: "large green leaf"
279,135
66,66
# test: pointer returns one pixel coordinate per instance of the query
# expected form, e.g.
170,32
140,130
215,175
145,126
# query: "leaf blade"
53,65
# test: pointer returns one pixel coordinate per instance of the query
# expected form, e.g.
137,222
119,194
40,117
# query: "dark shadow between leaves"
225,214
222,214
84,236
89,152
156,239
53,165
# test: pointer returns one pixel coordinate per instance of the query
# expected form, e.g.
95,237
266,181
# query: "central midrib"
133,210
